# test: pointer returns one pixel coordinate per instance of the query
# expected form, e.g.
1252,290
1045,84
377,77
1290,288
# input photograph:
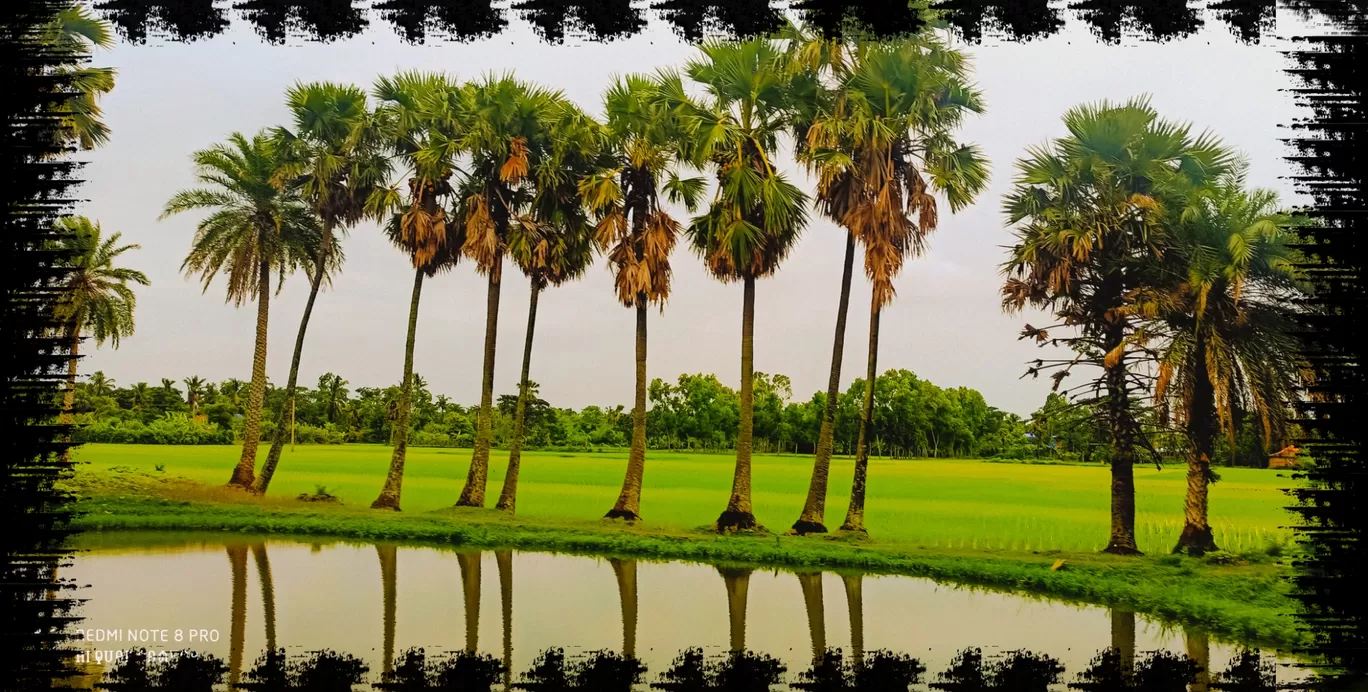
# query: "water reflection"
662,635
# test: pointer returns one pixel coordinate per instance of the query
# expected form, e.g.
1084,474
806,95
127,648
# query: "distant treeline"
913,418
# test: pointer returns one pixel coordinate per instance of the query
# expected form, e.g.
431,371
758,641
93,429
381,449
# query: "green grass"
940,504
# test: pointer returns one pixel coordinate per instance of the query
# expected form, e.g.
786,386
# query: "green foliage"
171,429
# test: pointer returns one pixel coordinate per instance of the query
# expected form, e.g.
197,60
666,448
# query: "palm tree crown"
97,296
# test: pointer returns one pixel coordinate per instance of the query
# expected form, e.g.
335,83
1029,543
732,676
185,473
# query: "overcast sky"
946,324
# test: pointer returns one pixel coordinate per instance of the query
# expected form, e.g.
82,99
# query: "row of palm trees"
499,167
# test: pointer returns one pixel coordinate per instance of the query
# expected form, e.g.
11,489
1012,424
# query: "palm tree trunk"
470,591
1123,638
811,584
69,396
626,571
508,497
504,560
237,561
1198,647
738,516
737,582
267,592
389,589
244,473
472,495
854,588
814,509
278,440
854,520
394,480
1196,539
628,504
1122,429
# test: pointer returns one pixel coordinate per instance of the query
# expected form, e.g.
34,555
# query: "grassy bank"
1240,599
940,504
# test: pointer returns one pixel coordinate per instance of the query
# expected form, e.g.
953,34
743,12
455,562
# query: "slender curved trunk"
738,516
811,584
263,565
389,588
278,439
508,497
394,480
245,472
626,572
504,560
237,561
1123,433
1196,538
1198,647
737,582
854,589
1123,638
472,495
854,520
628,505
470,593
73,334
814,509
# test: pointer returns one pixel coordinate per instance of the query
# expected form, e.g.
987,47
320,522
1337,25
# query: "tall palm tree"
194,390
96,296
74,30
1091,210
410,116
882,145
100,384
140,395
334,158
756,214
168,385
231,389
507,134
552,243
1230,318
645,141
334,391
255,227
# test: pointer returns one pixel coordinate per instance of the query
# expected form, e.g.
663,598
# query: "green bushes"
170,429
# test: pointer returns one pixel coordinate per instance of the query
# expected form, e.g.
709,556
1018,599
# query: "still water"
234,597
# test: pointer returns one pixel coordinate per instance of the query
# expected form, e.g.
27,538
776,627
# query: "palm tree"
334,390
255,227
1090,211
99,384
194,389
74,30
552,244
140,395
96,296
334,159
410,117
507,134
1230,320
756,215
882,143
645,138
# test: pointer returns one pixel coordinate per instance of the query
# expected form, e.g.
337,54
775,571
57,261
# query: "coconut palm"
96,296
74,30
1230,320
334,158
507,134
141,395
334,391
756,214
100,384
231,389
1090,210
881,141
645,141
255,227
552,243
410,116
194,390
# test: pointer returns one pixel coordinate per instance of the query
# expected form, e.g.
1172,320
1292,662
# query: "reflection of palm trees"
854,588
736,581
237,560
626,571
388,584
470,586
1123,637
811,583
1199,650
504,560
267,592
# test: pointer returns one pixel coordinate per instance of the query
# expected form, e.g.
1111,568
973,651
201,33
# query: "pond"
234,597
